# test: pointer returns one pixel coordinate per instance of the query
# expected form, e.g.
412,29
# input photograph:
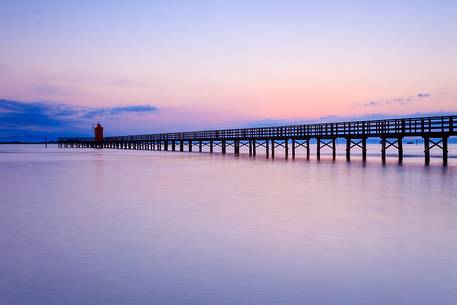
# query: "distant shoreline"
21,142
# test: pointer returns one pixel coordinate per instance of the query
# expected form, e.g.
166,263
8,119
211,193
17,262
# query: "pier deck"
435,132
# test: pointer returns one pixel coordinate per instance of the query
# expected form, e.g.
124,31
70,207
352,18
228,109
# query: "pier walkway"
435,132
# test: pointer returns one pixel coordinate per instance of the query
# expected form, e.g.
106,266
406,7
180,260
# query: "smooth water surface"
80,226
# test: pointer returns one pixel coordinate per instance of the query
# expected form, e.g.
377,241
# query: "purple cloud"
398,100
29,120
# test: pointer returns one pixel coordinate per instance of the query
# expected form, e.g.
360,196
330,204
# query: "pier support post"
348,149
286,148
173,145
254,147
224,148
200,146
307,149
165,145
400,149
272,149
318,149
364,149
190,145
250,148
236,147
334,149
293,148
445,151
181,145
211,146
267,148
427,150
396,143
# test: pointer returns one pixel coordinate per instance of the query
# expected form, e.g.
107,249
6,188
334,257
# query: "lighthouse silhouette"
98,133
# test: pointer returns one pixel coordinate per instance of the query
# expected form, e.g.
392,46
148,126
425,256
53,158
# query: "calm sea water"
135,227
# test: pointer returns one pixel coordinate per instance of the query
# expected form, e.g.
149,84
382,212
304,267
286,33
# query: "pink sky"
207,64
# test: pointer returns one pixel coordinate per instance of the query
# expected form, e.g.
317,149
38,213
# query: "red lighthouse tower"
98,133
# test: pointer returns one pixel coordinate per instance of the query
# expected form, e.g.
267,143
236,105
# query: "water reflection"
117,227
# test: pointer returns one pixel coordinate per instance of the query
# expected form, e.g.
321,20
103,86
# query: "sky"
152,66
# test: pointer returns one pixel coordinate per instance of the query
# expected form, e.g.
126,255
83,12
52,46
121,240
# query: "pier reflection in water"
140,227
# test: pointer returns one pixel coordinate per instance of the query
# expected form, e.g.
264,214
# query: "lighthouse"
98,133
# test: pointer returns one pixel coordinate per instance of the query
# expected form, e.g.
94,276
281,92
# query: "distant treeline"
28,142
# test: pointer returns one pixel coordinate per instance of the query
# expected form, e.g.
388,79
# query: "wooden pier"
391,133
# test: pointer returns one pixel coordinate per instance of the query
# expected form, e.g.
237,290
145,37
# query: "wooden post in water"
307,149
272,149
400,149
293,148
364,149
427,150
286,148
348,149
236,147
445,151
